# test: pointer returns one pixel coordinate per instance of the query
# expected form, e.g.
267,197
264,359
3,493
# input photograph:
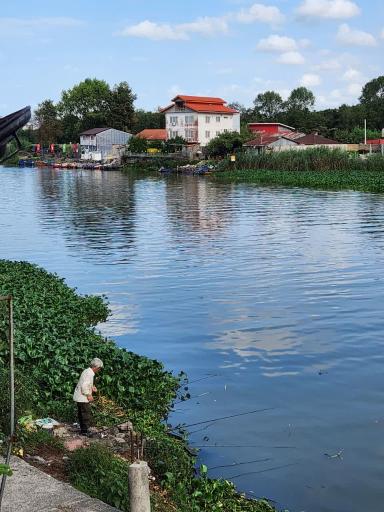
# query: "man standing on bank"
83,394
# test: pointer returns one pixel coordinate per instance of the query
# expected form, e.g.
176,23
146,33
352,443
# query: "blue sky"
229,48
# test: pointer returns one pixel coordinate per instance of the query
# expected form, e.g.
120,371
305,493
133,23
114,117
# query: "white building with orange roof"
199,119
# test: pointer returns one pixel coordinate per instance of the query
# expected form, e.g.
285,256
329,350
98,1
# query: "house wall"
99,146
199,127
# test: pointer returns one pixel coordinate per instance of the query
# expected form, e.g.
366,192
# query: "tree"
224,144
301,98
372,98
86,105
137,145
268,106
143,120
121,108
49,126
298,108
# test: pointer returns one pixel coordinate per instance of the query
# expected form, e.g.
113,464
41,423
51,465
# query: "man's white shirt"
84,386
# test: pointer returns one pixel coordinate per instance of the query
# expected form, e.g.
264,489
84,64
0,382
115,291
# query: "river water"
266,297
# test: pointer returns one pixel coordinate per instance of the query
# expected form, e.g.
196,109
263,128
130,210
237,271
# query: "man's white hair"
96,363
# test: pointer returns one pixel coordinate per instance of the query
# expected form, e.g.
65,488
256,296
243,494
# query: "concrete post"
139,499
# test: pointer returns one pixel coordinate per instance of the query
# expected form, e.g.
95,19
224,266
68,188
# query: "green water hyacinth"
56,337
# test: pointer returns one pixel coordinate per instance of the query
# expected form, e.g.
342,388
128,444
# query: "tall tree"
48,124
298,108
372,98
268,106
86,105
121,108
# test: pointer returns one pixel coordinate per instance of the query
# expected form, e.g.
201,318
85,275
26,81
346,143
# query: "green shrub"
166,456
100,474
33,441
26,394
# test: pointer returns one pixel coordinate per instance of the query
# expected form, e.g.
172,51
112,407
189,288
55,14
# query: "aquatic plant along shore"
55,338
316,168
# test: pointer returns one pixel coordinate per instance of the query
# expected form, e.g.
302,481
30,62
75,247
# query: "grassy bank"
317,168
55,338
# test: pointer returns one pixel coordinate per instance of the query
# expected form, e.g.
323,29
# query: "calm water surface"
274,294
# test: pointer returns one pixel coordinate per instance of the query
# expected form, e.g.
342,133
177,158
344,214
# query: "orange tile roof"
153,134
203,104
199,99
209,107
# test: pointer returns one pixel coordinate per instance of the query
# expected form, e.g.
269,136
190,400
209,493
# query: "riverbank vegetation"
55,337
316,168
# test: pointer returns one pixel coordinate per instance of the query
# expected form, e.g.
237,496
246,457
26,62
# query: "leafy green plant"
5,470
99,473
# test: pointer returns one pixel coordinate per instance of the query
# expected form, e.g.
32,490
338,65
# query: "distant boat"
9,126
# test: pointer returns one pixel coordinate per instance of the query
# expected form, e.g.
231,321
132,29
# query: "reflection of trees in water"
198,205
95,209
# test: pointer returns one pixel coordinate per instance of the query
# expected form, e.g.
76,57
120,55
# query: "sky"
234,49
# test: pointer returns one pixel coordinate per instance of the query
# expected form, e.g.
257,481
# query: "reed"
314,168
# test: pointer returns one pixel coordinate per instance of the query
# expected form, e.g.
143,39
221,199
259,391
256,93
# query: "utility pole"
9,300
365,131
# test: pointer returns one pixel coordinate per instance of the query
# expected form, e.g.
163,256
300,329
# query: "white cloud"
16,27
292,58
354,89
310,80
276,43
351,74
333,9
155,31
351,37
327,65
262,13
163,31
206,26
382,34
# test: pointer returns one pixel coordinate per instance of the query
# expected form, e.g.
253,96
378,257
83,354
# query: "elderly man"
83,394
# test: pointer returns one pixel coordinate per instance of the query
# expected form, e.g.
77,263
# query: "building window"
225,130
218,119
217,133
174,134
189,119
207,119
207,134
173,120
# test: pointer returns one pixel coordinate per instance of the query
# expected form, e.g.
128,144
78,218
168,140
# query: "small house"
101,143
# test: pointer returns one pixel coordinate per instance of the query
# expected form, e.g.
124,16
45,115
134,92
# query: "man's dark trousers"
85,416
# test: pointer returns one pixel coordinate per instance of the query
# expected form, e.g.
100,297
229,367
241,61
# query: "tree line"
344,123
93,103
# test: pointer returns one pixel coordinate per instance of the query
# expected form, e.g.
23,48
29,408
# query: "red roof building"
271,128
153,134
199,119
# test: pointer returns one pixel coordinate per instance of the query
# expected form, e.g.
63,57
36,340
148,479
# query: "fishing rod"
227,417
263,470
244,446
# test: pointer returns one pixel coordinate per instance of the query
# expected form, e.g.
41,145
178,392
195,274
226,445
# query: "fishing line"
228,417
234,464
262,470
